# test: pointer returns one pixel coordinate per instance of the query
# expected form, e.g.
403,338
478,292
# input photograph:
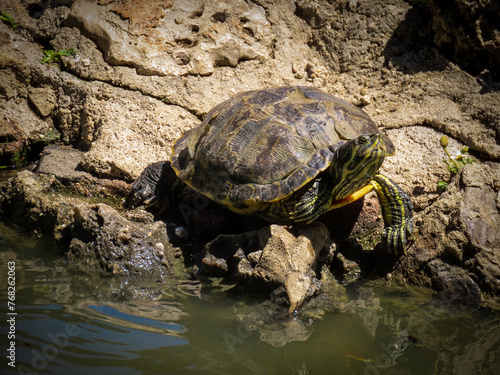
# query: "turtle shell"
261,146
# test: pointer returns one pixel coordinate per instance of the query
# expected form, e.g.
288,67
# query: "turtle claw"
304,212
398,238
156,184
315,201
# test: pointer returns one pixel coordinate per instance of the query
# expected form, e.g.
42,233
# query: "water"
89,324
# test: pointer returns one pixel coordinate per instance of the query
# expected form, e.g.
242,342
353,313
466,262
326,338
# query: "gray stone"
453,283
44,99
272,258
462,226
179,37
104,240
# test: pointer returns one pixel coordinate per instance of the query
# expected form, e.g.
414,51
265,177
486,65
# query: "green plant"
454,163
51,56
7,18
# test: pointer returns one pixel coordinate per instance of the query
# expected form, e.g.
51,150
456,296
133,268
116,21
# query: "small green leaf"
442,186
66,52
51,56
7,18
454,163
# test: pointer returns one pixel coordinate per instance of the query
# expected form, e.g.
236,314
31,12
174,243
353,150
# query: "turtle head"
357,161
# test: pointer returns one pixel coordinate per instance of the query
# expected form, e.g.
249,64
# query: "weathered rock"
462,228
44,201
351,34
453,283
419,145
468,32
104,240
270,259
64,163
43,98
353,37
178,37
92,116
39,201
20,131
130,118
29,201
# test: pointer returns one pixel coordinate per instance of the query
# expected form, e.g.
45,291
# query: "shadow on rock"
462,31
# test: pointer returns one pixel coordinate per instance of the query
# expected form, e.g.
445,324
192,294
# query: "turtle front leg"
315,201
156,186
397,210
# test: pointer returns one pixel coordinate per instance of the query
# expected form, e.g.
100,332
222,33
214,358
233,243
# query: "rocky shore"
125,79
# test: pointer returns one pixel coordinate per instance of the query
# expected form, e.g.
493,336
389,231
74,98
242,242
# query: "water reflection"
89,324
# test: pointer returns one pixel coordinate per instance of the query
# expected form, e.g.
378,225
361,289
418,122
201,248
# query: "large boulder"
104,240
460,230
271,259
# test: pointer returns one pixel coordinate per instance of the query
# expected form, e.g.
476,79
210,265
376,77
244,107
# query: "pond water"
81,324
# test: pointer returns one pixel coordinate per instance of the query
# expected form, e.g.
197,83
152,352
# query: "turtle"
287,154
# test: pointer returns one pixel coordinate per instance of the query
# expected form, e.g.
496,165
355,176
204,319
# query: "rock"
270,259
99,237
44,99
88,115
105,115
316,14
419,145
29,201
179,37
468,32
454,283
104,240
21,131
350,37
128,118
63,163
463,228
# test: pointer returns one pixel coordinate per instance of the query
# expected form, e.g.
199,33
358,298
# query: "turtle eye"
363,139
